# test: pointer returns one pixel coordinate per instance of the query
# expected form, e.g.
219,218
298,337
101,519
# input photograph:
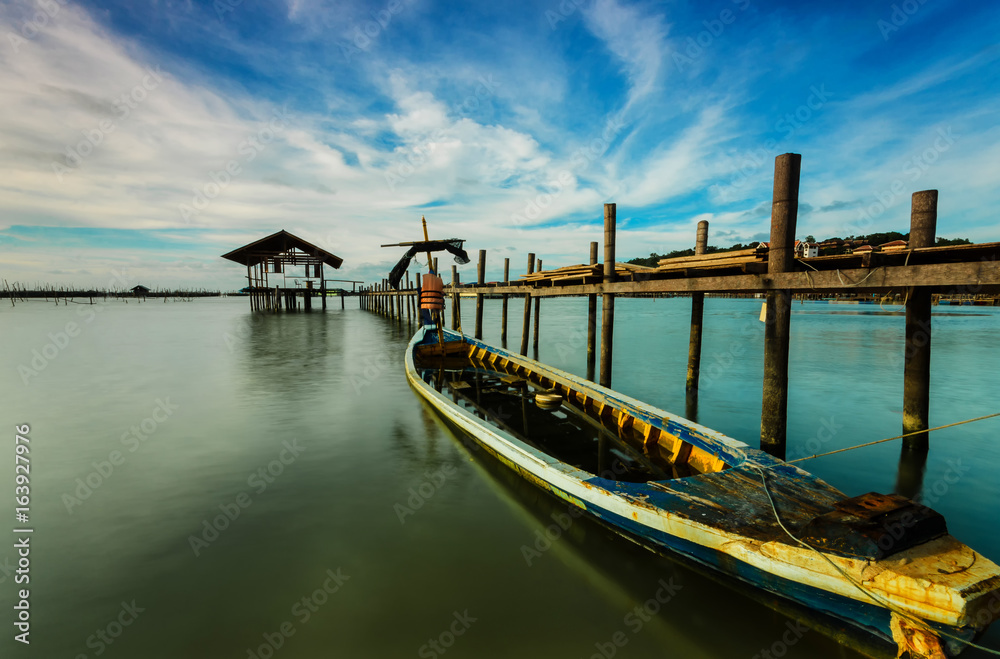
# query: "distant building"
140,291
861,249
893,245
806,250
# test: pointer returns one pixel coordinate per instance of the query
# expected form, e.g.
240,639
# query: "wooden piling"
420,319
409,300
526,321
480,281
608,301
538,313
917,350
503,303
777,329
592,322
694,343
455,318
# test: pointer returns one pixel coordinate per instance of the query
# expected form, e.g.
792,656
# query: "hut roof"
276,244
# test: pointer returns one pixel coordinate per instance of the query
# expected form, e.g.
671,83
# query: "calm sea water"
355,524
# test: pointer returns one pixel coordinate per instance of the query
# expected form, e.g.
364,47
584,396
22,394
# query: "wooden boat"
880,563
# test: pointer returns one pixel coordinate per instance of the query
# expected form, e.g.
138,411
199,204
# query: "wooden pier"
918,273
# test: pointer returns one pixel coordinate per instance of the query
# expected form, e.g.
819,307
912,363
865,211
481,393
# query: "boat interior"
578,427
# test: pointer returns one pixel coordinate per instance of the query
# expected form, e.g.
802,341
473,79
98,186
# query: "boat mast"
436,316
430,261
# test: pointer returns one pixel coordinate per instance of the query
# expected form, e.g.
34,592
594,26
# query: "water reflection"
629,575
912,465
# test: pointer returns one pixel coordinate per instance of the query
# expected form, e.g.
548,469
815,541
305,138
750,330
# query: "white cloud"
637,38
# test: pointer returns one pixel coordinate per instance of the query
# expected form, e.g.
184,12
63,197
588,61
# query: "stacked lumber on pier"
753,261
737,259
585,274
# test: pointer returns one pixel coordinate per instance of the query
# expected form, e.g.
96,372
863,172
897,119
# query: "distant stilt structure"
273,256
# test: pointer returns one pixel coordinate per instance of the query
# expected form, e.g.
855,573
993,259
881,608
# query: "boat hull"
650,521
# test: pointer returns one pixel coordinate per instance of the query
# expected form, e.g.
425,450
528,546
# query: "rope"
889,439
884,603
874,270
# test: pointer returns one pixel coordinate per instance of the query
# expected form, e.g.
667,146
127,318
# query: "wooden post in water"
399,305
250,285
413,294
503,303
526,321
409,299
917,351
694,344
608,302
592,322
455,318
480,281
419,282
322,287
538,312
777,329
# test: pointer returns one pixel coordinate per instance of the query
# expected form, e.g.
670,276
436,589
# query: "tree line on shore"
830,246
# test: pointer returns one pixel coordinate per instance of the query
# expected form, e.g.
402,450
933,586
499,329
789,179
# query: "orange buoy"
432,293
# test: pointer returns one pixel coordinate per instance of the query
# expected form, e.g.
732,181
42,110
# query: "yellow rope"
889,439
886,604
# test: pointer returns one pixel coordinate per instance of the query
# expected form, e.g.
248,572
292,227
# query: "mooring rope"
889,439
888,605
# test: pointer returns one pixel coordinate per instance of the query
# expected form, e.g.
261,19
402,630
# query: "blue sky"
153,137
